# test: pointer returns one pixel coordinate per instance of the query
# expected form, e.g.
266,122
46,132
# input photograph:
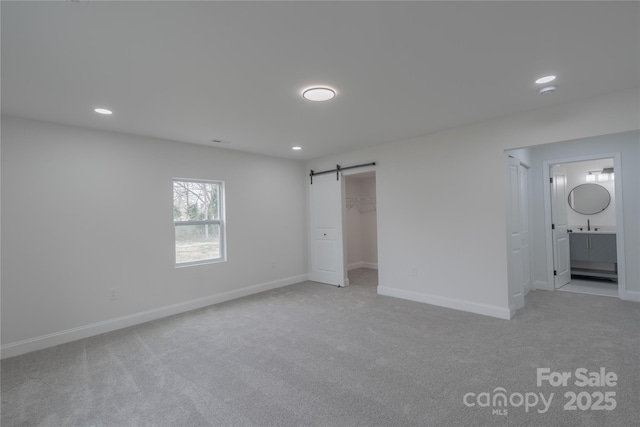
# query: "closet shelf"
363,204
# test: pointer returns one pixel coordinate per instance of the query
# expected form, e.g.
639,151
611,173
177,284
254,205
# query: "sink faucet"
588,226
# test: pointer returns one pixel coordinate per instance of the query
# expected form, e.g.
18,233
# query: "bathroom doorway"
586,225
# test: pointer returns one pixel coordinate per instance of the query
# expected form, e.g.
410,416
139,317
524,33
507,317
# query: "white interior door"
559,227
516,262
327,247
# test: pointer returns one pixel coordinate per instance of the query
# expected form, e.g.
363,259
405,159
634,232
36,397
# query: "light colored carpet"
312,354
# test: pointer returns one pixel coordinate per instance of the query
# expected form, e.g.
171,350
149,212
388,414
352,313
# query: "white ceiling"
233,71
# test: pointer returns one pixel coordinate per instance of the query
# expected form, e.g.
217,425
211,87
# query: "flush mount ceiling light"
318,93
546,79
296,148
103,111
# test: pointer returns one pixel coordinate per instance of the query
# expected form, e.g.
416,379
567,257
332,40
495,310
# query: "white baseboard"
487,310
631,296
545,286
362,264
49,340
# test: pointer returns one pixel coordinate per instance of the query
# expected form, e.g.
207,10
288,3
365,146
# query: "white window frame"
220,222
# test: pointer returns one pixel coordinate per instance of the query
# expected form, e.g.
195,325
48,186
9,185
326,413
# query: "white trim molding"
363,264
542,285
61,337
457,304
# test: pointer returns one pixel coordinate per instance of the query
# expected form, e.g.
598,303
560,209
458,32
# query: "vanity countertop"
592,231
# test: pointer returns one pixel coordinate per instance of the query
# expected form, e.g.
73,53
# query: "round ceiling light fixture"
546,79
318,93
296,148
103,111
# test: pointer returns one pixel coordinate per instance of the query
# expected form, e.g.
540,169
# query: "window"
198,217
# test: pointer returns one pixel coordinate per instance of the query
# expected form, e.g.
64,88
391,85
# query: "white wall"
361,231
85,211
441,200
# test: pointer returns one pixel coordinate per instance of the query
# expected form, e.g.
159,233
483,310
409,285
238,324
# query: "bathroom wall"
577,175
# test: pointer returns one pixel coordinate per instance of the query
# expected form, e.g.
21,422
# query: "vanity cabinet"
593,254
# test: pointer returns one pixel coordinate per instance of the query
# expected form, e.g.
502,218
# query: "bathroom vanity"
593,254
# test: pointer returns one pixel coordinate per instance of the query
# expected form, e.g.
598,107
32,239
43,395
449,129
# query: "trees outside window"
198,221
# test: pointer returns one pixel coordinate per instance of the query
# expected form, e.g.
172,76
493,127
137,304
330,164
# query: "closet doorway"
361,229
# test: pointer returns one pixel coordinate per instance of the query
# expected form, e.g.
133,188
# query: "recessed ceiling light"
548,89
318,93
546,79
103,111
296,148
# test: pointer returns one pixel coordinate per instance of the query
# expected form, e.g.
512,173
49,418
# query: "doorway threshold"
591,287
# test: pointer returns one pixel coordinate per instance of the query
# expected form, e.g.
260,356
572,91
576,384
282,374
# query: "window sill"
204,262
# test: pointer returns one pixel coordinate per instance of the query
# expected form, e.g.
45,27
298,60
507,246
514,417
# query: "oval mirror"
589,199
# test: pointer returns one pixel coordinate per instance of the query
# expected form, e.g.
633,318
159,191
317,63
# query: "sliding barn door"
327,249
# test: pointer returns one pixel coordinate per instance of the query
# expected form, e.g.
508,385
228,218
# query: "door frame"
617,166
561,229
